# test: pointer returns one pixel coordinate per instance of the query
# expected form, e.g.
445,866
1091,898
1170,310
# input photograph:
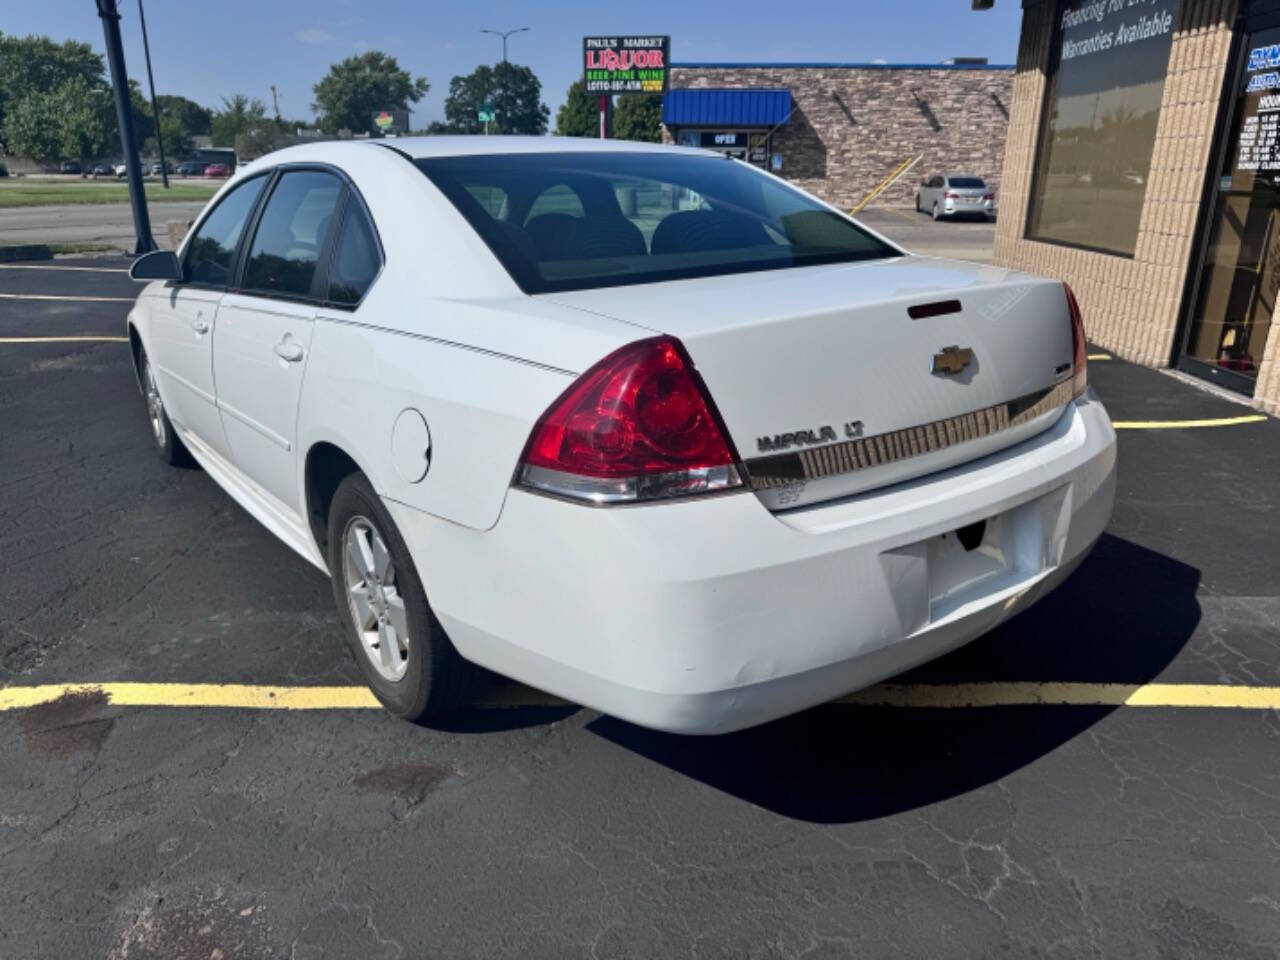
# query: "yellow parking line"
1183,424
931,696
64,339
1099,356
42,266
56,296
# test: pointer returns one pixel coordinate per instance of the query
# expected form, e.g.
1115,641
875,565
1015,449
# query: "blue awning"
726,108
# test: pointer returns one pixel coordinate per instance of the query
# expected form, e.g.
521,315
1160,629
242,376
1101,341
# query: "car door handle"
289,351
200,324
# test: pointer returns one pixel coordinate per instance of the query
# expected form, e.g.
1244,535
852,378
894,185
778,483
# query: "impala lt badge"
951,360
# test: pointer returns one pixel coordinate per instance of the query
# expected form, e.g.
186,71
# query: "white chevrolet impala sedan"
641,426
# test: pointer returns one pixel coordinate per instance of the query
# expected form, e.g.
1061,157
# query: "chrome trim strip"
850,456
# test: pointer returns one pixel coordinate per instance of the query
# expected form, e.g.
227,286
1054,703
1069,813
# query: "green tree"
638,116
353,90
579,115
195,119
37,65
513,91
72,121
239,115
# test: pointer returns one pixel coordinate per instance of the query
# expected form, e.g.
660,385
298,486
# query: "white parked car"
641,426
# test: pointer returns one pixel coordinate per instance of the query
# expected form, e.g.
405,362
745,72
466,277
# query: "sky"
210,51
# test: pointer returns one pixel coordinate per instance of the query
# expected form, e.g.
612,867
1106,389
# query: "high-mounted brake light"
637,426
1080,351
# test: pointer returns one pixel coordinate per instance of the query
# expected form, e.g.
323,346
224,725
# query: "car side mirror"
156,265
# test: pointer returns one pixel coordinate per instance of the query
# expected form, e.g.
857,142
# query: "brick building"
1143,167
838,129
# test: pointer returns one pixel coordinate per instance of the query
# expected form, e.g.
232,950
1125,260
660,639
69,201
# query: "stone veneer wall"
851,126
1131,306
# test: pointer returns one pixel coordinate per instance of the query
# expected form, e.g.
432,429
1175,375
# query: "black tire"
167,445
436,678
918,210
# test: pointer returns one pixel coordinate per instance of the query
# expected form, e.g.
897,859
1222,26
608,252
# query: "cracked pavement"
558,832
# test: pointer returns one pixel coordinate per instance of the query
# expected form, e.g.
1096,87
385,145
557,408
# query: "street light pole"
504,34
124,116
503,93
155,108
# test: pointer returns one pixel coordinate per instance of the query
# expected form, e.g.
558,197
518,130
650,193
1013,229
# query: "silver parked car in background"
954,194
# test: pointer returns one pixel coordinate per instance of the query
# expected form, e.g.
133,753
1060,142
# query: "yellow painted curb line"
64,339
55,296
931,696
1184,424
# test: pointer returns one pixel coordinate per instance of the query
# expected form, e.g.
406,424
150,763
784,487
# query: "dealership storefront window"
1099,122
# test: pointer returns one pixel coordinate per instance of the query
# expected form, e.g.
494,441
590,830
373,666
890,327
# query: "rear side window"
356,259
576,221
291,231
208,255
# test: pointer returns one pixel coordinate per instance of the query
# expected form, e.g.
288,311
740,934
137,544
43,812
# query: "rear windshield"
965,182
576,221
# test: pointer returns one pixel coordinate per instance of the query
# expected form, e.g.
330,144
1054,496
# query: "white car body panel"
699,615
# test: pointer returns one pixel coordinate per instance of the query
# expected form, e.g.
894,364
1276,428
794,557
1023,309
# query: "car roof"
966,176
452,146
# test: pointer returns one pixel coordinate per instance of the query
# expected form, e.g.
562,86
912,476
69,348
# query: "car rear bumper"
960,208
713,614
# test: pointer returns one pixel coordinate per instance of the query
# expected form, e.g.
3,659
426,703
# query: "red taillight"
951,196
988,196
1080,351
637,426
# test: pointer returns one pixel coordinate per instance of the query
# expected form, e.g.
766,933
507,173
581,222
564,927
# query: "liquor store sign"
626,64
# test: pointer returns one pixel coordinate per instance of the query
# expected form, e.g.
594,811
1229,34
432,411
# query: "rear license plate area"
966,567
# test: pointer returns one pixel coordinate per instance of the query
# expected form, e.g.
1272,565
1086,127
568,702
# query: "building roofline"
806,65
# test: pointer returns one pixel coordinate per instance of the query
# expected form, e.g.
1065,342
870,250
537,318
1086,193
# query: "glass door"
1239,276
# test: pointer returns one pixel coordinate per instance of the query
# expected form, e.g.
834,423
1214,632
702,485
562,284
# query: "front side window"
356,258
1099,124
574,221
291,232
208,256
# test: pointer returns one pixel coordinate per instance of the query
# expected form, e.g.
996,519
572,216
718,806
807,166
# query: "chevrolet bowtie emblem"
951,360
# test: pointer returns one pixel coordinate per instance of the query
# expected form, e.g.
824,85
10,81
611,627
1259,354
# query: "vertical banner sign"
626,64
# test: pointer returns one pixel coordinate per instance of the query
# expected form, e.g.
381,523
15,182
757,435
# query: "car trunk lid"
837,379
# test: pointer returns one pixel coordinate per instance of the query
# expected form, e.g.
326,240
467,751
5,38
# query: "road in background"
920,233
105,223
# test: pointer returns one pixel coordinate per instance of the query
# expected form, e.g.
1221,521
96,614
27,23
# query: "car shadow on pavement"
1121,618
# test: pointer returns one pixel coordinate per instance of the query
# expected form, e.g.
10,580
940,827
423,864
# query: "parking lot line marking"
43,266
58,296
1099,356
1184,424
917,695
64,339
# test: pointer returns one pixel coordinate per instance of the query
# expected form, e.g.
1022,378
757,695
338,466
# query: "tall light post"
155,109
110,17
504,34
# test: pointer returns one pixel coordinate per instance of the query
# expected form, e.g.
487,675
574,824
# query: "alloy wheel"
155,406
373,598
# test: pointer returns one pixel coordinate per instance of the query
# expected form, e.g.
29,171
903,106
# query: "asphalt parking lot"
950,815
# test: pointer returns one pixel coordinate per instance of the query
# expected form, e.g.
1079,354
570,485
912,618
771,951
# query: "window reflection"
1100,122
